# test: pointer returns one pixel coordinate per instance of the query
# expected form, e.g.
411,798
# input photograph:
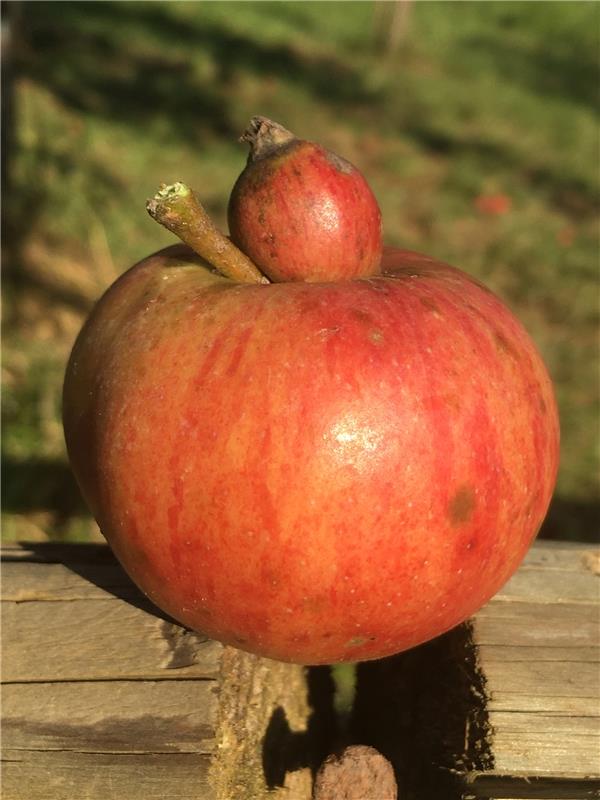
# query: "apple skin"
312,472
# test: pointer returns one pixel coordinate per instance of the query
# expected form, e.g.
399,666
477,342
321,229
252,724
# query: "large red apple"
315,472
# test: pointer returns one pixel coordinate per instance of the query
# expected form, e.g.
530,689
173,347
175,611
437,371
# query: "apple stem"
178,209
265,136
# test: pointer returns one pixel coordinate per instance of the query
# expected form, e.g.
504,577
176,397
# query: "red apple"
300,212
314,472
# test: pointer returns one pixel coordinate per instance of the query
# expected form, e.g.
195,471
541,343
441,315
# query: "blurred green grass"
479,100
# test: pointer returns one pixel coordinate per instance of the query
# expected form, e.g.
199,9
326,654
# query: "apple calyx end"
264,137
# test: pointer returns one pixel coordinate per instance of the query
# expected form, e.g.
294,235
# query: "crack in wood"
183,645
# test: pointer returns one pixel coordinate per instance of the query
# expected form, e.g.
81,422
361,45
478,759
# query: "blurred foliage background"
475,123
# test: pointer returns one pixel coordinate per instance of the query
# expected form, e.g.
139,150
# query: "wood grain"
110,717
67,775
80,640
105,697
538,647
506,705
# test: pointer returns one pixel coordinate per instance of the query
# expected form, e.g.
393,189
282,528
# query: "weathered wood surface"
538,649
506,706
105,697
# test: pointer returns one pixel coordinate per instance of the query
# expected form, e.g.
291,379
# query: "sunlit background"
476,124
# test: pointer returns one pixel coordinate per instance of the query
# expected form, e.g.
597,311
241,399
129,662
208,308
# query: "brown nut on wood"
359,773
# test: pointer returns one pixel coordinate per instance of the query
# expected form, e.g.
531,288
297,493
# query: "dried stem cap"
264,136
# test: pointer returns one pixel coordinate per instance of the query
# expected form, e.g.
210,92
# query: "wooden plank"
542,654
505,700
67,641
564,745
68,775
36,581
512,722
49,607
537,624
532,679
543,585
538,647
105,697
523,787
568,758
110,716
551,555
506,705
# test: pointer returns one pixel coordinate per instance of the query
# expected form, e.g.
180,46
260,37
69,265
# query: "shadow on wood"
285,751
506,705
425,711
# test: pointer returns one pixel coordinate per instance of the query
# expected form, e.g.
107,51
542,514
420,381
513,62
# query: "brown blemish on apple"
314,604
361,315
429,304
358,641
462,505
503,344
452,401
339,163
376,336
